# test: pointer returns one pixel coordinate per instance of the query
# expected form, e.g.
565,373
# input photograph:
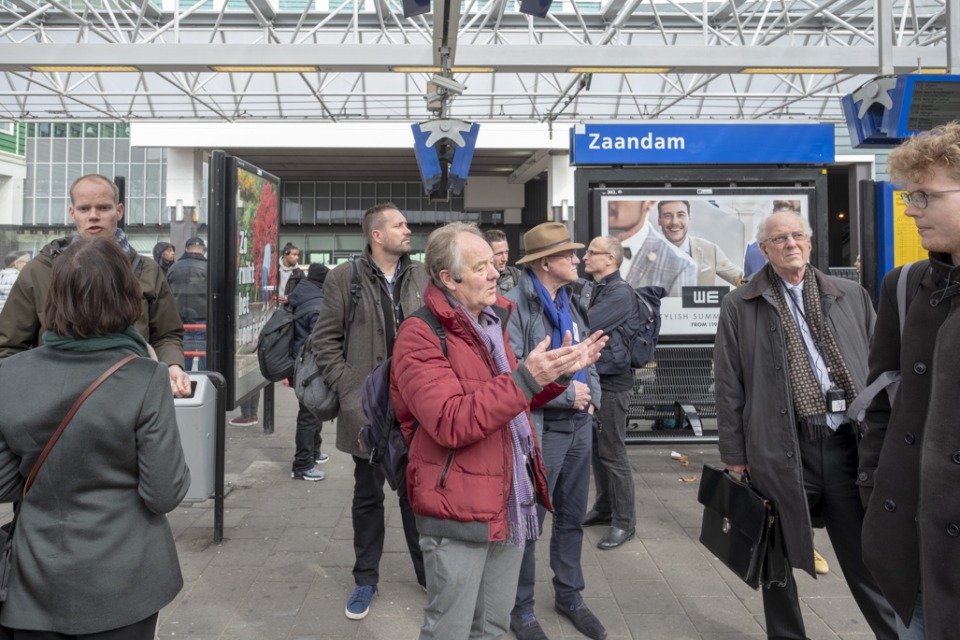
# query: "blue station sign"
620,144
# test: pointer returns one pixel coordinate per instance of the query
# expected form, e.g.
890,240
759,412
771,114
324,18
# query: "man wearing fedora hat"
546,307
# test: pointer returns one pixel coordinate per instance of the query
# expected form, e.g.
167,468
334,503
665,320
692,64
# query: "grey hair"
615,248
762,229
444,251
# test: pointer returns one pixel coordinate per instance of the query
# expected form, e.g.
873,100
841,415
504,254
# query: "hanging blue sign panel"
619,144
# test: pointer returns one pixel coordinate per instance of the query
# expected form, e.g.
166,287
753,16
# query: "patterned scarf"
522,506
809,403
121,239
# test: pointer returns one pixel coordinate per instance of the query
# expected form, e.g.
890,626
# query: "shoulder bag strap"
66,419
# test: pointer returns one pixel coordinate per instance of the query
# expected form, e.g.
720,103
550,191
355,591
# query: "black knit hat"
317,272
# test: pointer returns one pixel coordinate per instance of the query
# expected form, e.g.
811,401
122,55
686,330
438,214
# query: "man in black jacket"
612,306
188,279
307,294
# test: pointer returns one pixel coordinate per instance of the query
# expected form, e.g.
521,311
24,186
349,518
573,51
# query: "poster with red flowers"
257,213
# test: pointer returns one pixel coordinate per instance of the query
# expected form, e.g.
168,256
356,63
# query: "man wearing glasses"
790,355
910,454
546,307
612,306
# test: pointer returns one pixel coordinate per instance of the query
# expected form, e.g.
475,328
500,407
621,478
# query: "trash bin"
197,420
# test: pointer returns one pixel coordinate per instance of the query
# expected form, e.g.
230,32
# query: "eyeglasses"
591,252
920,199
565,256
779,241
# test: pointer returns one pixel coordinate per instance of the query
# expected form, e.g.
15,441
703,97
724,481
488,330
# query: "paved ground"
284,568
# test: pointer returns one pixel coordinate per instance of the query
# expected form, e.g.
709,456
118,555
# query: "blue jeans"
566,456
194,340
915,630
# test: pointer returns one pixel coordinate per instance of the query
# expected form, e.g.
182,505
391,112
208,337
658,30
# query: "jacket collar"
374,269
437,301
526,286
760,283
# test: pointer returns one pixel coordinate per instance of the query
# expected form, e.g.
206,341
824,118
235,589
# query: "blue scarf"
558,313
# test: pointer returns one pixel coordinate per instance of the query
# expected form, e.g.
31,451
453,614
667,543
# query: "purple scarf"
522,507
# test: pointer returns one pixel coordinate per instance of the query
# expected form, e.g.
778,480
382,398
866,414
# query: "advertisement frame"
236,360
694,180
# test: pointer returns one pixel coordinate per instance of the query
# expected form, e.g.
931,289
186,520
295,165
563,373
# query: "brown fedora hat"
545,240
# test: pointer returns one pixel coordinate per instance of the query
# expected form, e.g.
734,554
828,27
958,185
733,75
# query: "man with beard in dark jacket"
188,279
306,298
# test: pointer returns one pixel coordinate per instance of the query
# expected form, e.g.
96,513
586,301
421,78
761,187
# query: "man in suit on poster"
648,259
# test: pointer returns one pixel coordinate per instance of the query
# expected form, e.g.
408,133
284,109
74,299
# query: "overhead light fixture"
439,70
931,72
793,70
92,68
264,68
618,69
536,8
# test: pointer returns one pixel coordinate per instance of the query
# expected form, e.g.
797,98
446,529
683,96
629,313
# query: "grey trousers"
470,588
612,474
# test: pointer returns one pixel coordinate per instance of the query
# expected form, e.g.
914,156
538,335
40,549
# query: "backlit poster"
256,209
698,244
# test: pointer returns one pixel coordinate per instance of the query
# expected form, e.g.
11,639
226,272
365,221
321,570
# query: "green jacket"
93,549
159,322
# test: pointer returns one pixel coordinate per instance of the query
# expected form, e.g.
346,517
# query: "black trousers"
143,630
369,527
307,440
829,479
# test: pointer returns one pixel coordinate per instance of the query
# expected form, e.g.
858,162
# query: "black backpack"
275,343
382,439
309,386
640,333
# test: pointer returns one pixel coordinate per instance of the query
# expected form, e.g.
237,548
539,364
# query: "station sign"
648,144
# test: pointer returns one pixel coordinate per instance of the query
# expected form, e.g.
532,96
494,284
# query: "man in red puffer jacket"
475,473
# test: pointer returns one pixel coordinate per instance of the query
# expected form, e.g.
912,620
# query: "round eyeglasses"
920,199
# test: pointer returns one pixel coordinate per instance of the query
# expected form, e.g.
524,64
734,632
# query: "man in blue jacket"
546,306
612,306
307,293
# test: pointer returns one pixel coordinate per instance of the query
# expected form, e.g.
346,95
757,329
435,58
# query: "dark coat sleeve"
729,387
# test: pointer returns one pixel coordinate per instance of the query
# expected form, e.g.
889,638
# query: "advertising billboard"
256,212
697,243
244,206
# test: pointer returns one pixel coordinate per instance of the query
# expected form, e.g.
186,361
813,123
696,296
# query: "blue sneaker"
358,605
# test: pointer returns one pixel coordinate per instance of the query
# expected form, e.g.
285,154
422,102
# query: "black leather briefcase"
740,527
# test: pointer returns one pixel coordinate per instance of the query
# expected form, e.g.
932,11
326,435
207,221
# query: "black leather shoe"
527,627
584,620
594,518
615,537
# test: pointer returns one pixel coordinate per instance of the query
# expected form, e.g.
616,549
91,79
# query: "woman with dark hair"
165,254
93,553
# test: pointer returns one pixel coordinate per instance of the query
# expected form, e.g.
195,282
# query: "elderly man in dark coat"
790,353
911,532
